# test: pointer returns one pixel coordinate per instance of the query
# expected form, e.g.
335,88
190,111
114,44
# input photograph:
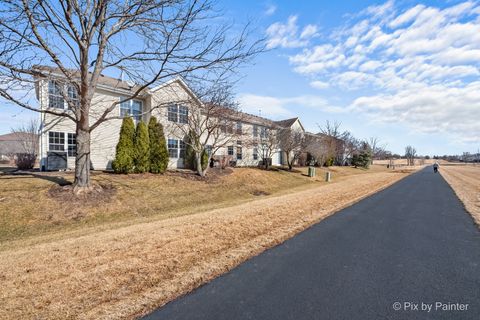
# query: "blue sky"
406,72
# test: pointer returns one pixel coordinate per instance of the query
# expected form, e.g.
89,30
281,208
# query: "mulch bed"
101,193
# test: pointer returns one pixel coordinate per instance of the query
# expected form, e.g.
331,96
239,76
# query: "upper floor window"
263,132
56,141
255,130
226,128
131,108
177,113
182,114
55,96
73,96
230,150
239,127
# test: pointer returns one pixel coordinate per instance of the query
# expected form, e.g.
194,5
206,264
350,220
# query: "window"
55,97
136,112
239,128
177,113
73,97
172,113
131,108
239,142
56,141
182,149
124,109
230,150
72,144
263,132
182,114
239,153
209,149
255,130
173,148
255,153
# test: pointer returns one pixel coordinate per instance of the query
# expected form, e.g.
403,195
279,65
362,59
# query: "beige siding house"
172,103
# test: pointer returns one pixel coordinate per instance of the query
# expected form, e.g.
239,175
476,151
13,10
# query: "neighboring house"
172,103
14,143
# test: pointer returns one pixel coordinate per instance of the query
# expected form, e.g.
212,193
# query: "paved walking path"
412,243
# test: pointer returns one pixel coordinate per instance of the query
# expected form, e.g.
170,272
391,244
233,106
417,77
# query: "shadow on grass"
13,173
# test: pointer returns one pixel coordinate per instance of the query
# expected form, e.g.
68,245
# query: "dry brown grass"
124,272
465,181
28,210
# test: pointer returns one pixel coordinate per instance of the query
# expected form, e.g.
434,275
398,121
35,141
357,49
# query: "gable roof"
12,143
287,122
16,136
104,82
182,83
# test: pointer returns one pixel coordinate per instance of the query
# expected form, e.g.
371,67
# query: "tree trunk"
289,161
82,181
198,159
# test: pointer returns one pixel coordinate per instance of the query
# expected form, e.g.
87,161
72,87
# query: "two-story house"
173,103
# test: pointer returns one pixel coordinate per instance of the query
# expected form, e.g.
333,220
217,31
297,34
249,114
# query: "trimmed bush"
124,154
158,147
142,149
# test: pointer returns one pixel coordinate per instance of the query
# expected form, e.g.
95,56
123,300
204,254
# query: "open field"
465,181
124,271
403,162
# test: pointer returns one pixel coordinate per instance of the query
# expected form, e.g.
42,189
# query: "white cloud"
309,31
418,63
277,108
433,109
319,84
287,35
407,16
271,9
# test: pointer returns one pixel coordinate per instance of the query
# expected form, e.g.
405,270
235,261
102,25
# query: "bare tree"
350,146
316,145
410,154
149,41
269,143
292,142
378,149
27,137
331,129
333,140
212,125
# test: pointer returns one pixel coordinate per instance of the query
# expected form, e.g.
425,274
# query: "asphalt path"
410,247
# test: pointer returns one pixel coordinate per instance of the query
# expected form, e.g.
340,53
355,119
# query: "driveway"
410,247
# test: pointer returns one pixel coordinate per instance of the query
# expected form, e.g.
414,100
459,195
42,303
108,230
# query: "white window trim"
65,142
130,104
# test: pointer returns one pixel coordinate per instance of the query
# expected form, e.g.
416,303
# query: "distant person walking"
435,167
